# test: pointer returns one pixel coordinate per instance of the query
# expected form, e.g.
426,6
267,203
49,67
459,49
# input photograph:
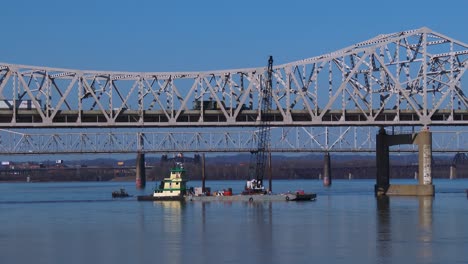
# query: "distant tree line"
237,168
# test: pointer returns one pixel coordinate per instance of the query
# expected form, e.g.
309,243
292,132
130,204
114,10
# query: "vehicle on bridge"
207,105
17,104
214,105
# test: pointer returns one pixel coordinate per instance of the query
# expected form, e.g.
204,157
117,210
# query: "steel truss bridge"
405,79
288,139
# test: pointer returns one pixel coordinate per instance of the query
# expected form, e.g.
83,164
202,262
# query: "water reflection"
425,225
235,232
171,220
398,216
262,230
384,233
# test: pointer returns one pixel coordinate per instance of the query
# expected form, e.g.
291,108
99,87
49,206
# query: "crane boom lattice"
259,156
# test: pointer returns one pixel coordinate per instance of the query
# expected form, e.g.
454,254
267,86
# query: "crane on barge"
258,157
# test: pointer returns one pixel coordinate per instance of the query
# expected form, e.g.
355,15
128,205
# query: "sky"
204,35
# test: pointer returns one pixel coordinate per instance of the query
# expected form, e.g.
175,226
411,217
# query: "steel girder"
285,139
409,78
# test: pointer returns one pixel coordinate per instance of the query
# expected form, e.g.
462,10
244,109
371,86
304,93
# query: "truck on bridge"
213,105
206,105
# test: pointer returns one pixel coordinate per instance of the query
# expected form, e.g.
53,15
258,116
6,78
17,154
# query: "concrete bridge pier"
140,171
203,173
327,178
424,141
383,163
270,173
453,172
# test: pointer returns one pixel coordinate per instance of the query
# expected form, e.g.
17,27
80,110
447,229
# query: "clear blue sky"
203,35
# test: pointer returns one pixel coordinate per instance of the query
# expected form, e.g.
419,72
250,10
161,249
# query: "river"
80,223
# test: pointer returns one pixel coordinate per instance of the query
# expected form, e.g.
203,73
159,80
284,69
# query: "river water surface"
81,223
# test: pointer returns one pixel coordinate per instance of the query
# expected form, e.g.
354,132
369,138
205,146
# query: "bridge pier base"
327,178
424,141
140,171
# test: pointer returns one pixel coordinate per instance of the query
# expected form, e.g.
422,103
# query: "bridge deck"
188,118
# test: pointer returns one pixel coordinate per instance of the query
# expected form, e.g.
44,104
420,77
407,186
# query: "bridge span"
411,78
162,141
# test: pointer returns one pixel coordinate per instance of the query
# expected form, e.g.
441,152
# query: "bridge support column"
327,178
383,163
140,171
270,173
203,172
424,141
453,172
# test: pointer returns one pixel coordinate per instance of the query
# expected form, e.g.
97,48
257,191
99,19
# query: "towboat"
173,188
120,193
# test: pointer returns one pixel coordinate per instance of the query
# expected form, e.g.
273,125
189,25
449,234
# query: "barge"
174,188
234,198
253,198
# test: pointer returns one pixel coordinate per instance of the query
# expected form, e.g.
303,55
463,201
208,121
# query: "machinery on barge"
257,166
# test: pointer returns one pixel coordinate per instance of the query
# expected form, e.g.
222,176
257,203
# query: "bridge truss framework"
409,78
288,139
332,102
